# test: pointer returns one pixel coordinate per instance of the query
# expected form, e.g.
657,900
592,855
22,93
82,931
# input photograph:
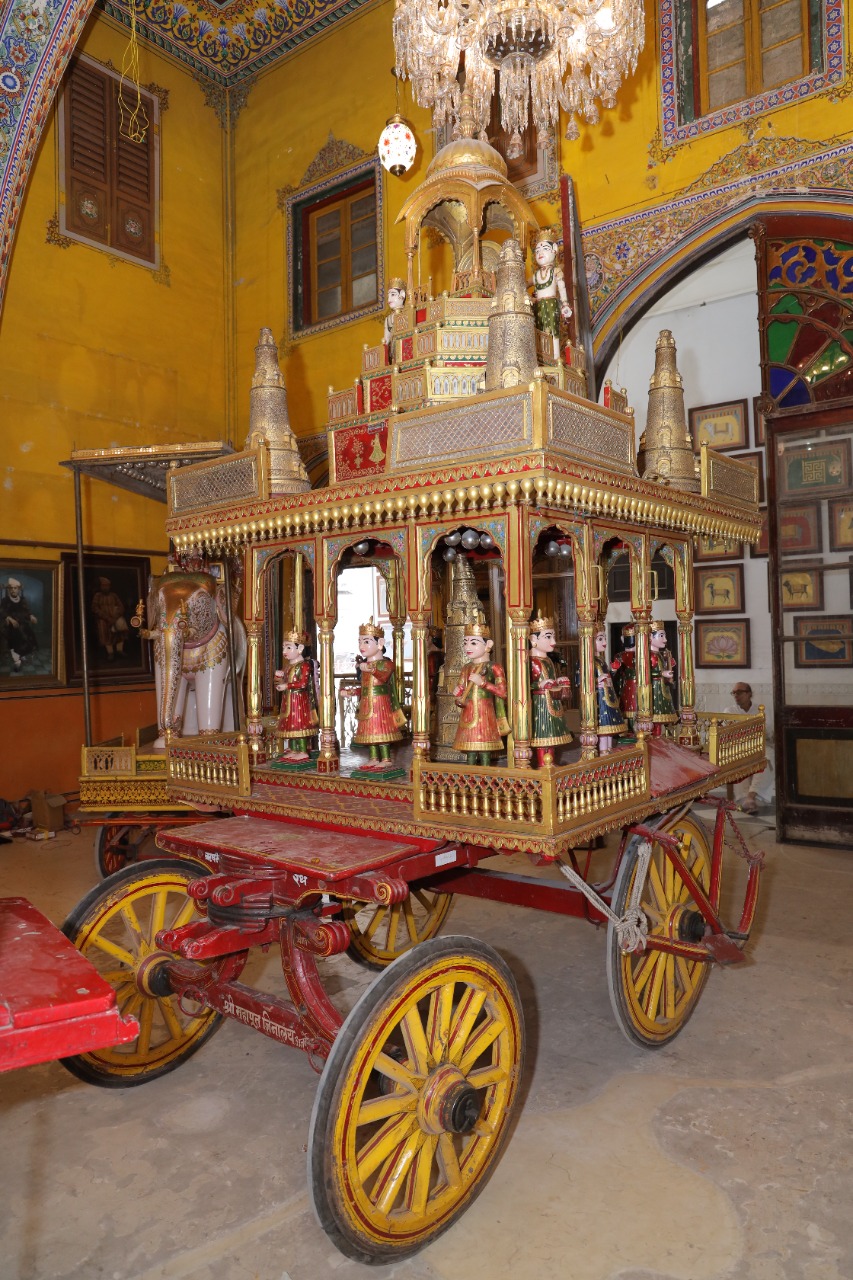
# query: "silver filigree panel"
504,424
235,479
728,478
590,436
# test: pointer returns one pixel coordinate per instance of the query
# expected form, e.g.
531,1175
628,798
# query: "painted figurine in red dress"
624,669
297,720
380,716
481,696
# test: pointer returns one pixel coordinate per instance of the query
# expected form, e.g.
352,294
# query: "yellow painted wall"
95,354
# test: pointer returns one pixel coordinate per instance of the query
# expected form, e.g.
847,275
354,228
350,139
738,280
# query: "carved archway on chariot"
465,195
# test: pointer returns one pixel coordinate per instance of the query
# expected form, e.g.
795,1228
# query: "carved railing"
373,358
731,739
548,801
109,759
453,381
218,767
465,342
343,404
409,388
442,309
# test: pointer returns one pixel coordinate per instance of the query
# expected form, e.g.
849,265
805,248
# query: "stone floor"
724,1156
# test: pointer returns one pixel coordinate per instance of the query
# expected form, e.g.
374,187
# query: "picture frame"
800,531
720,426
719,589
755,458
820,468
825,641
722,642
717,549
31,617
116,652
761,549
759,427
840,524
801,588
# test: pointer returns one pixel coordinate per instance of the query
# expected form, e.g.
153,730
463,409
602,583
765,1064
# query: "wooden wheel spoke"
390,1104
427,903
467,1013
421,1176
416,1041
409,916
449,1162
185,914
485,1035
146,1020
127,912
485,1077
643,971
384,1145
158,913
668,880
379,915
651,1004
112,949
171,1019
393,926
655,886
669,988
685,972
438,1021
388,1066
390,1181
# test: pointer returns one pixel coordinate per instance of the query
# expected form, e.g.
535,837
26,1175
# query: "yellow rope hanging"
133,123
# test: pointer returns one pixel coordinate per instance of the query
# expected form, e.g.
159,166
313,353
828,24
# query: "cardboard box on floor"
48,810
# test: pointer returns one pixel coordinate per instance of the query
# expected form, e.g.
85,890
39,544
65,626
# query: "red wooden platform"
52,1001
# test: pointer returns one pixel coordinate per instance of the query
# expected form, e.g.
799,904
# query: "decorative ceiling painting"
237,38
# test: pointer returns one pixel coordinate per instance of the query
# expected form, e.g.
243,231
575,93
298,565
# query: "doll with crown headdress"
380,717
297,721
550,296
624,671
550,691
396,301
662,670
481,697
610,721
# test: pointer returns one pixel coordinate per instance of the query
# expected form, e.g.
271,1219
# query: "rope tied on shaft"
632,929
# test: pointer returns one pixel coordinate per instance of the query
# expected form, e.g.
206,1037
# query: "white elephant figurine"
192,663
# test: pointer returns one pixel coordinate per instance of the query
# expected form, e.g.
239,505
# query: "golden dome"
467,153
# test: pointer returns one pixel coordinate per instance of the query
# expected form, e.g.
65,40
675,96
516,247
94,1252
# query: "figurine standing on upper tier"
396,302
298,721
380,716
662,668
550,691
551,299
481,696
624,669
609,718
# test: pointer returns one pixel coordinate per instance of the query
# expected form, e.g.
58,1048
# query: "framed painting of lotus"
722,643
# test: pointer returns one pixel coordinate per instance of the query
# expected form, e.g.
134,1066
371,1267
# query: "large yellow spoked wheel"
114,927
416,1099
381,933
117,844
653,993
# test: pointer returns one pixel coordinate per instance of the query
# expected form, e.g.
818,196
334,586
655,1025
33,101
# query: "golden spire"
268,418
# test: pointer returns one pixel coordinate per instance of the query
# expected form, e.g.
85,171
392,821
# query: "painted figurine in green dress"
550,692
663,676
610,721
550,297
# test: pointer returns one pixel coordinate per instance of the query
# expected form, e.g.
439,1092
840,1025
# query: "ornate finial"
666,449
268,418
467,120
371,628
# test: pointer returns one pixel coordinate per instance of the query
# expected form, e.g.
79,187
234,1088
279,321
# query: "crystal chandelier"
547,54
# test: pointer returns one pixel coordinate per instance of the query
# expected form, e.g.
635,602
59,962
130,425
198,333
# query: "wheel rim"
118,939
416,1131
381,933
661,990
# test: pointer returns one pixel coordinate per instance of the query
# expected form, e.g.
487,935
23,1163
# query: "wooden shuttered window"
747,47
110,180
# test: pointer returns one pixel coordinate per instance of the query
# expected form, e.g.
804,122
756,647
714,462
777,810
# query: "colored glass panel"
807,345
780,380
797,394
839,387
780,338
790,305
831,360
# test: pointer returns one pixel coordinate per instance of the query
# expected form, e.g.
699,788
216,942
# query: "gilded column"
420,685
329,760
254,721
587,626
688,735
643,722
519,686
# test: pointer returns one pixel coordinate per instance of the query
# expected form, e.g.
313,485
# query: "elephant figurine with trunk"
192,659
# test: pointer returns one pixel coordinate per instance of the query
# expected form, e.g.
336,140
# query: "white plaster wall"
713,316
